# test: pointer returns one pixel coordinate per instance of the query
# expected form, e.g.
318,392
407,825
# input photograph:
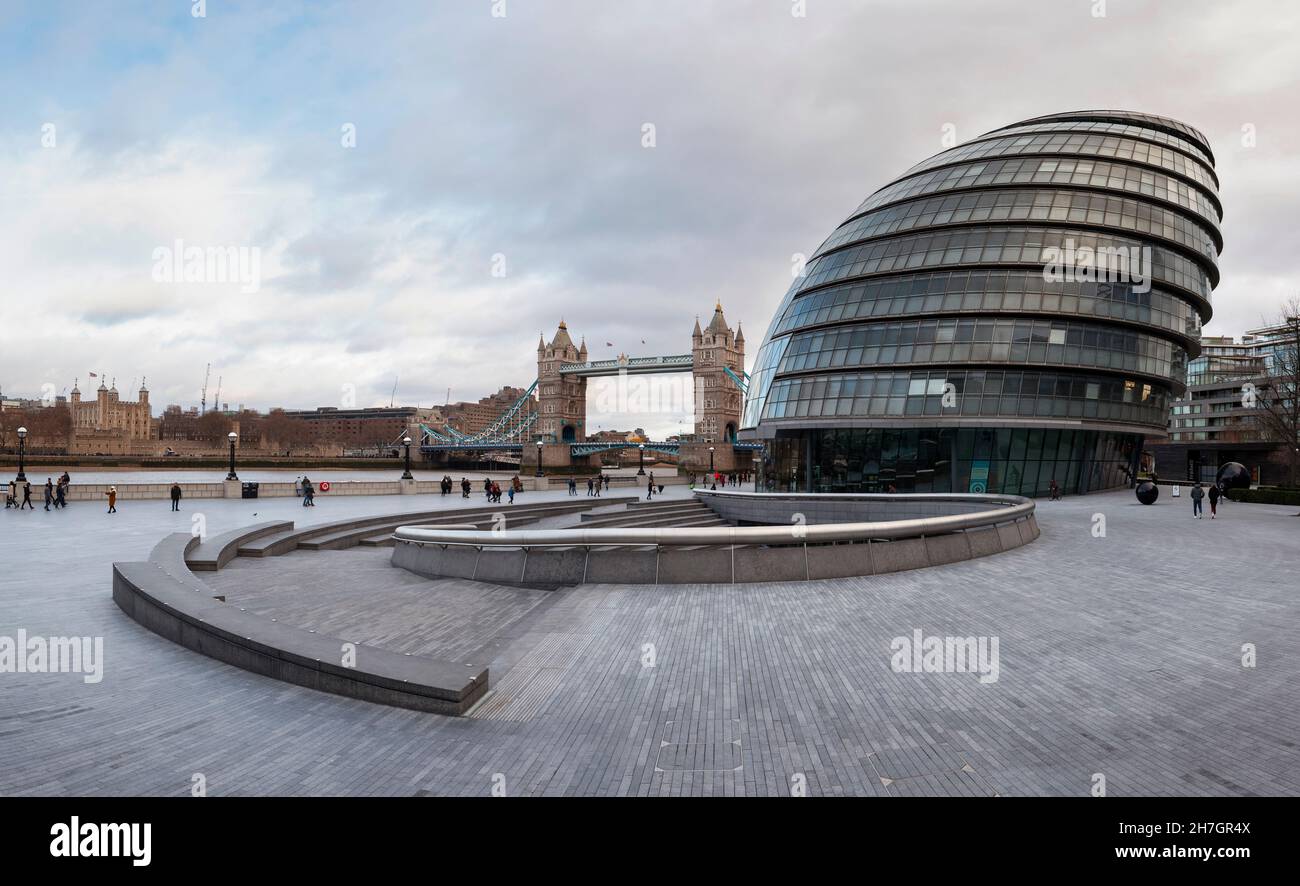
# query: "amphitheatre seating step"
216,551
380,540
659,522
169,607
282,542
350,537
635,520
170,554
685,507
654,504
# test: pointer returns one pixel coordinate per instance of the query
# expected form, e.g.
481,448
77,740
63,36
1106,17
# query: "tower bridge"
550,420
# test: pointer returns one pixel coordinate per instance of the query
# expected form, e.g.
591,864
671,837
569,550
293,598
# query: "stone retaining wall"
853,535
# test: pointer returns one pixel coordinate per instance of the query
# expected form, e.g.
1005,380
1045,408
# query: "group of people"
1199,494
492,489
718,478
594,485
303,487
56,493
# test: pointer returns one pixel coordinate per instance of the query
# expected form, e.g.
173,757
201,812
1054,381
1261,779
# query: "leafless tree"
1278,402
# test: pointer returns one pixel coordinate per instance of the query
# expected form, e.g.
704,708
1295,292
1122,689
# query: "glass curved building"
1017,309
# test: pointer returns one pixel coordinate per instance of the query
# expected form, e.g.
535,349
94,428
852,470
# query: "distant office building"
1012,311
1217,420
373,426
471,418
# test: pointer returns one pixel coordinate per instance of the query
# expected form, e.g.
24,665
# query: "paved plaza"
1120,655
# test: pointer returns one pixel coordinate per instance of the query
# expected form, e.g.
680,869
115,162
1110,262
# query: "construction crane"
393,395
203,395
216,401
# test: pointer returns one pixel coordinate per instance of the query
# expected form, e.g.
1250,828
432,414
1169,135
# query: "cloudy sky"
515,143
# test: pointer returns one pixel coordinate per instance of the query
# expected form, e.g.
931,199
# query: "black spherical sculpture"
1148,492
1233,475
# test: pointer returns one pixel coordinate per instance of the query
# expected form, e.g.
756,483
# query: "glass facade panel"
946,460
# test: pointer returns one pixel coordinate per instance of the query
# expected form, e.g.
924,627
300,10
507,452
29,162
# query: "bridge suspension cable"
510,427
742,383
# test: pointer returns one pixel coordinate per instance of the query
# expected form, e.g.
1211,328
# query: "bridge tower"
718,400
561,399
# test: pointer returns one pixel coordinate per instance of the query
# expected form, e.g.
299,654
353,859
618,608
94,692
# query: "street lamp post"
710,460
232,437
539,458
22,448
640,460
406,475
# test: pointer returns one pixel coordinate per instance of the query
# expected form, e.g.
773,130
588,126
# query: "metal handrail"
1004,509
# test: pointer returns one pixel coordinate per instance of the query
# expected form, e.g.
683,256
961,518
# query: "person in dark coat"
176,496
27,496
1215,495
49,492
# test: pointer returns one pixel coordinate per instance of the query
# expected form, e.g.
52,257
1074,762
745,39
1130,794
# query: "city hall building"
1014,310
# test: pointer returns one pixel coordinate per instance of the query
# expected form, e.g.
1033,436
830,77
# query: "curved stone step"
347,538
635,518
281,543
216,551
170,555
168,607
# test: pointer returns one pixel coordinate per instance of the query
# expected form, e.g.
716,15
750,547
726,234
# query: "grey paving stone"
1119,655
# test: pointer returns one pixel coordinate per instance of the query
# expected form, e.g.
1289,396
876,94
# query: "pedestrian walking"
49,492
1215,495
308,494
176,496
464,487
573,486
11,497
1198,493
591,487
60,491
510,493
27,496
112,499
650,487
